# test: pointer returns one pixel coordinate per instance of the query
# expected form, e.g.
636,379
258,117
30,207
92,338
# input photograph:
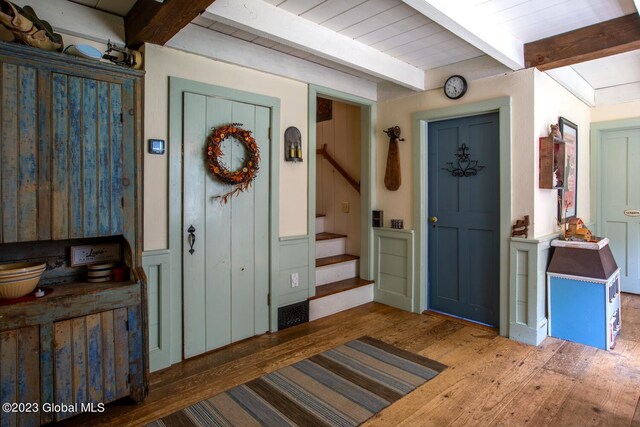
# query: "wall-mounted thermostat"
156,146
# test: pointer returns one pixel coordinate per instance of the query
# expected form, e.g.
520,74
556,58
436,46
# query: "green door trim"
420,122
597,129
367,177
177,87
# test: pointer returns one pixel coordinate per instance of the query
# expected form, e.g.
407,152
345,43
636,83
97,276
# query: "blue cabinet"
583,293
584,310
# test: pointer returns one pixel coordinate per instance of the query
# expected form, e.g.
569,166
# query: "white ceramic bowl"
20,278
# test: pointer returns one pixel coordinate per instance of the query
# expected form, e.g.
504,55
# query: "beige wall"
518,85
607,113
162,62
551,102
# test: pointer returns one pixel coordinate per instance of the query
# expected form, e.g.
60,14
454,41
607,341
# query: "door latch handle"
433,219
191,238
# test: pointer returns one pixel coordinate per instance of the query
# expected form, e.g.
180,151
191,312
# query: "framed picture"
91,254
568,198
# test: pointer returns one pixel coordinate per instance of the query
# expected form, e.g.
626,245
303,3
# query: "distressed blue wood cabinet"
70,171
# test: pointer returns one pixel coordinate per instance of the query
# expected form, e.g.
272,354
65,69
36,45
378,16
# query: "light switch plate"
345,207
295,280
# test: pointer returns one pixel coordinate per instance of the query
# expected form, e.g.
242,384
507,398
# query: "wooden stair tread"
336,259
341,286
328,236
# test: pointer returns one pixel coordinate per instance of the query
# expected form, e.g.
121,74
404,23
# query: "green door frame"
597,129
367,177
420,122
177,87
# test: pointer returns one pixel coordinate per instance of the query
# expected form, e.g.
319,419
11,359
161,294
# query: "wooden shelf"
68,301
553,163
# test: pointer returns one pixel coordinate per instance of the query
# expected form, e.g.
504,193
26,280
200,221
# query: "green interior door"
226,278
620,156
464,215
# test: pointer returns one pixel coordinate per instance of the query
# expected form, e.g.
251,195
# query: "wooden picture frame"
92,254
568,196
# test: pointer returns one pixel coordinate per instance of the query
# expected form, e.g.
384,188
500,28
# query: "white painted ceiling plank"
618,94
472,28
202,21
423,42
118,7
410,36
329,9
574,83
388,17
211,44
359,13
394,29
265,20
222,28
78,20
300,6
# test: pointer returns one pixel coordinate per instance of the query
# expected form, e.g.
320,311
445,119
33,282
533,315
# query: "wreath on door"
243,177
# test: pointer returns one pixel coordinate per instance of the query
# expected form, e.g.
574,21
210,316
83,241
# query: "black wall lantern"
292,145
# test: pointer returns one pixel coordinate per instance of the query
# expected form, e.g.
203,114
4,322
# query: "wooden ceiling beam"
150,21
607,38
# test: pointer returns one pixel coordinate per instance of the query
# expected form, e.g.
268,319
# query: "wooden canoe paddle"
393,176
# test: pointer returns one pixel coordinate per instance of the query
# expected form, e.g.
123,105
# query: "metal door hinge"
122,201
121,118
128,378
126,324
269,134
269,299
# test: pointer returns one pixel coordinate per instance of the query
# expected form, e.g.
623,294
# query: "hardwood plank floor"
490,380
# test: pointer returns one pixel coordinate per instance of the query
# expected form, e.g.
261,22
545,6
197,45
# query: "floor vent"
293,314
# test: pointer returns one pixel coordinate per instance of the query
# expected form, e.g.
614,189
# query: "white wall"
518,85
551,102
162,62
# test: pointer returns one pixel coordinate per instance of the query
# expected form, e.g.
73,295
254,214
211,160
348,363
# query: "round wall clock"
455,87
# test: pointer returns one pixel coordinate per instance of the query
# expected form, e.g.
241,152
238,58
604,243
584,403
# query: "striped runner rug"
344,386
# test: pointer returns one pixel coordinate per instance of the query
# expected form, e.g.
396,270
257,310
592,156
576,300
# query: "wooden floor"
490,380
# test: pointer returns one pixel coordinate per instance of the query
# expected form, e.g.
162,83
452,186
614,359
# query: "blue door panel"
464,242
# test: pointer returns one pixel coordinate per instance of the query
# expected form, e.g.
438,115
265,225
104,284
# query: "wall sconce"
292,145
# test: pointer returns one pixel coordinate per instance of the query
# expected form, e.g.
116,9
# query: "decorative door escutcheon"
191,238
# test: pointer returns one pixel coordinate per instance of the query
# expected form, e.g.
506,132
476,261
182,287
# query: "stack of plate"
99,272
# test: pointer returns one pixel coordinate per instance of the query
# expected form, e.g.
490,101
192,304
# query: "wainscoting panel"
393,267
156,265
294,258
527,289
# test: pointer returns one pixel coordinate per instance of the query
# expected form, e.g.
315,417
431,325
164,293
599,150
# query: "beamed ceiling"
590,46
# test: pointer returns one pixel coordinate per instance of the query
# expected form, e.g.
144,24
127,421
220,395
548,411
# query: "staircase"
338,285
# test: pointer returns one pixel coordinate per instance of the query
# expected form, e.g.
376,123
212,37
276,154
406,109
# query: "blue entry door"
464,217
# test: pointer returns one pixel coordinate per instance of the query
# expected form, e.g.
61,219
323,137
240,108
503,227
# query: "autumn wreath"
242,177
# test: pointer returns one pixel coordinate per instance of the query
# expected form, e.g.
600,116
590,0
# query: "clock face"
455,87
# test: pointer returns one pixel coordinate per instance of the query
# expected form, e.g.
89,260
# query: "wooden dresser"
70,173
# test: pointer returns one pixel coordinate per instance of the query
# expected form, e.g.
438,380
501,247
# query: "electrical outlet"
345,207
295,280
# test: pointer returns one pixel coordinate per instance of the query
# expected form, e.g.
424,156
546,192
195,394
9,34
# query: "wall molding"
157,267
421,121
294,258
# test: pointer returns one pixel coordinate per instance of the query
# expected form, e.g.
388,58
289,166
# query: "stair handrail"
323,151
